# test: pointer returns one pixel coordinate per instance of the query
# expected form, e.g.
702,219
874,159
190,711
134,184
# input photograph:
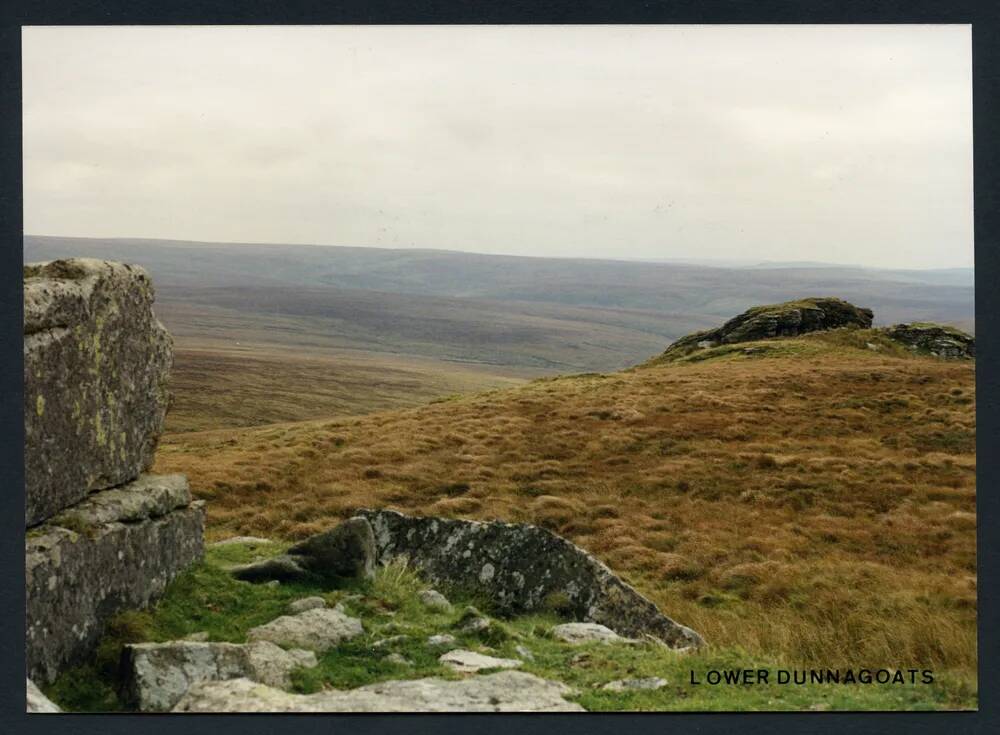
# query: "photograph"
499,368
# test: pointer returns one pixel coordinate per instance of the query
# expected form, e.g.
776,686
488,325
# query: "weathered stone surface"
522,568
248,540
651,683
306,603
788,319
937,339
345,551
469,662
96,363
159,674
434,600
38,703
80,574
441,639
314,630
586,633
505,691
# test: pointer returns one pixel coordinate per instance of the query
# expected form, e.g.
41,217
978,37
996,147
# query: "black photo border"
982,16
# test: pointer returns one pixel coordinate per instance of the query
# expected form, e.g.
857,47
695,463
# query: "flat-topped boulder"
520,569
96,362
788,319
506,691
115,551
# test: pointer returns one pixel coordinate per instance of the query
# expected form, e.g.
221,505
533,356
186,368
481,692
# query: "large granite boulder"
319,629
116,550
788,319
345,551
95,380
159,674
522,568
936,339
506,691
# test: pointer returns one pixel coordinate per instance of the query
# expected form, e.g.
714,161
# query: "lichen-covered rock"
159,674
506,691
315,630
469,662
937,339
788,319
96,363
106,555
345,551
522,568
38,703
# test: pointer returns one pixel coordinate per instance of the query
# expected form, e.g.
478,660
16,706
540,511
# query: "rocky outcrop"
102,537
159,674
115,551
506,691
936,339
346,551
95,369
38,703
788,319
522,568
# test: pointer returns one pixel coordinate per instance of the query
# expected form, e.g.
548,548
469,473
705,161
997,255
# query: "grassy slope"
814,504
207,599
219,384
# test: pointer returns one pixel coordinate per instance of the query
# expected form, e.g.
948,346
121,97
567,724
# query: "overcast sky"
838,144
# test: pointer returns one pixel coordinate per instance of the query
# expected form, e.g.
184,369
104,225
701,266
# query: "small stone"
469,662
247,540
398,659
586,633
649,684
441,639
272,583
434,600
524,653
198,637
390,641
472,621
307,603
315,630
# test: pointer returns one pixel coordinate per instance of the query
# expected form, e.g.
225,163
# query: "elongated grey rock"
96,363
117,550
522,568
506,691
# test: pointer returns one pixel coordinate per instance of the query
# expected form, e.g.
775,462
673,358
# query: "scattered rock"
586,633
345,551
469,662
788,319
937,339
442,639
390,641
272,583
89,334
308,603
505,691
434,600
524,653
524,567
159,674
647,684
198,637
315,630
38,703
398,659
472,621
118,550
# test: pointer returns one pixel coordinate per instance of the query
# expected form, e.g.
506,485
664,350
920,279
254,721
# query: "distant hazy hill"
546,313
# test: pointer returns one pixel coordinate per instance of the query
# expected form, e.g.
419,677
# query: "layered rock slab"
159,674
939,340
117,550
507,691
96,362
522,568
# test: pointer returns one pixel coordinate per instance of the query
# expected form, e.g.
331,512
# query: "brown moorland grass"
814,502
